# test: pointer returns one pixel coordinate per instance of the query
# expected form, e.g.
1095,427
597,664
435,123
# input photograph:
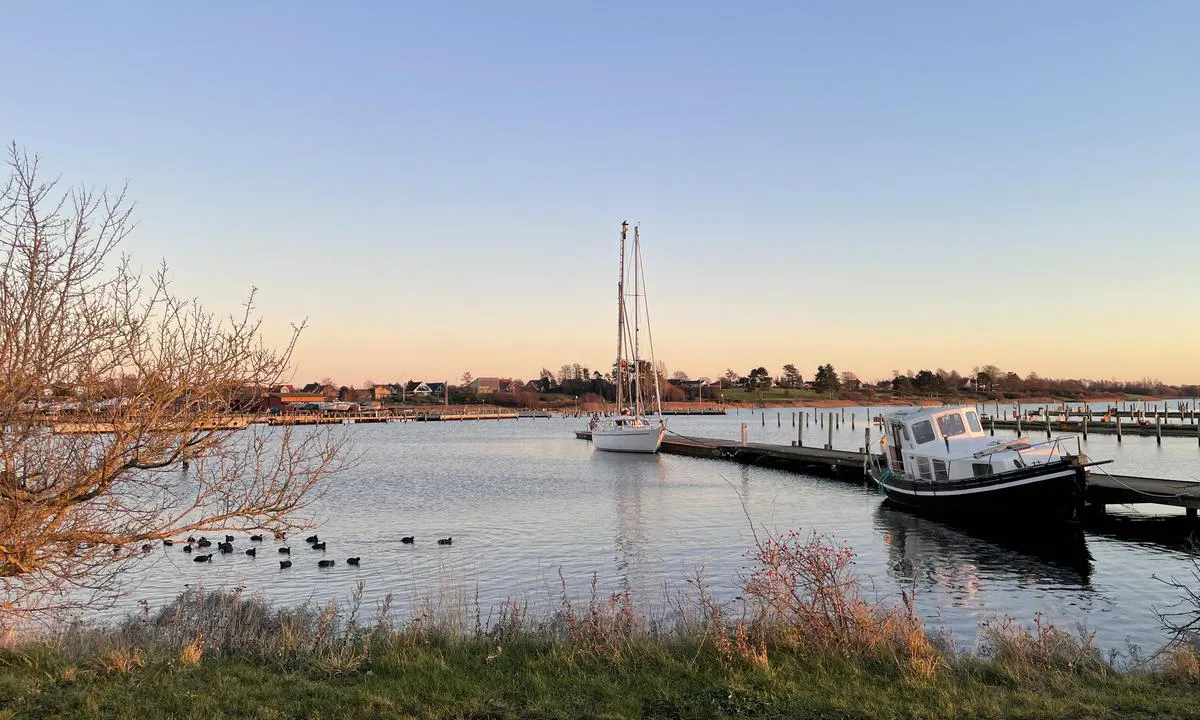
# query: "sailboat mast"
637,355
649,334
621,316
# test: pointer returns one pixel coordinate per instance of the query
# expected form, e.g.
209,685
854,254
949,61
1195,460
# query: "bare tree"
156,382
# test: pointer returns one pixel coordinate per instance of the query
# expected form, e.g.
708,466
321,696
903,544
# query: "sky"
437,188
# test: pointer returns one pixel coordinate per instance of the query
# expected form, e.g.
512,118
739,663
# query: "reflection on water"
920,549
524,501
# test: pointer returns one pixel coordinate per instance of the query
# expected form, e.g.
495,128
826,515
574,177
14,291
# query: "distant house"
486,385
425,389
379,392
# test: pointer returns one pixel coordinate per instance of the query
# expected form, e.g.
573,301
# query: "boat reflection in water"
924,551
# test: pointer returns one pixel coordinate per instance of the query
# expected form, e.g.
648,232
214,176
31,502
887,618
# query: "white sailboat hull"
636,439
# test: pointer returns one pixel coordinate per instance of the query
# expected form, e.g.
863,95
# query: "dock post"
805,414
793,418
1017,416
1157,427
867,439
1047,421
837,421
800,435
851,421
778,420
829,445
763,415
1086,415
745,435
1118,427
992,422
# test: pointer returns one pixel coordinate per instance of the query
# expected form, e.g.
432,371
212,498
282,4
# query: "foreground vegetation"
806,644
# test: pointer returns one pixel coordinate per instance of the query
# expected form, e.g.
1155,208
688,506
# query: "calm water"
524,500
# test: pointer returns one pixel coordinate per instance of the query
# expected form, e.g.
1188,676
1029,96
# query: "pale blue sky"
437,187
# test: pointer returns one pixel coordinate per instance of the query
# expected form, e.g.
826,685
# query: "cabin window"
951,425
923,432
906,435
940,473
973,421
923,468
981,469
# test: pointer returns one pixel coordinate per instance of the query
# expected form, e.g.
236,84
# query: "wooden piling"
992,422
1118,427
763,414
800,435
1017,416
837,421
778,420
1047,421
1087,414
829,444
1157,427
852,421
745,435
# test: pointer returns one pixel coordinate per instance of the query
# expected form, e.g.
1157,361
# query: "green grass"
474,678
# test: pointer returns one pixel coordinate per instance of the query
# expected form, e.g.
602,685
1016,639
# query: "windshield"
951,425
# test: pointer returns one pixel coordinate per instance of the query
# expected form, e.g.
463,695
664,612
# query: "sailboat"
630,430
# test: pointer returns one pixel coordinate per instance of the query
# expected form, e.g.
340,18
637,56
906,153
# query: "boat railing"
1018,446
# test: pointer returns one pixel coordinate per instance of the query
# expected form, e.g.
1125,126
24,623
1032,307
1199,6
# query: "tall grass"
801,598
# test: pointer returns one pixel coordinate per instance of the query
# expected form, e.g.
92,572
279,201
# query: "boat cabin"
945,444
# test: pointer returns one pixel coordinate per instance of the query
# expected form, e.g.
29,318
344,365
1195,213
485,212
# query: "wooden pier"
1103,488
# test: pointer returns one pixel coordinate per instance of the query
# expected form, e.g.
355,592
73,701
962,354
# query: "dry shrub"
605,628
1027,652
805,594
512,622
193,652
122,661
739,643
1181,661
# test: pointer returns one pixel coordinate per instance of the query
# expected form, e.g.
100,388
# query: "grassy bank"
804,643
477,678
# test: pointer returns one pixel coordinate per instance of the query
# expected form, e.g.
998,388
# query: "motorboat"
940,460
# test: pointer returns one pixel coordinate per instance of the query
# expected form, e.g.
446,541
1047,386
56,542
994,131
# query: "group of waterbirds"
226,547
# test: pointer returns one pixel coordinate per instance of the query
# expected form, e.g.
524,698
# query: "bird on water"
252,552
310,539
285,550
202,558
445,541
324,563
351,561
256,538
318,546
407,539
285,564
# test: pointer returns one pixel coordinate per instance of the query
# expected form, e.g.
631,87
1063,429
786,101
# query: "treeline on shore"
805,643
